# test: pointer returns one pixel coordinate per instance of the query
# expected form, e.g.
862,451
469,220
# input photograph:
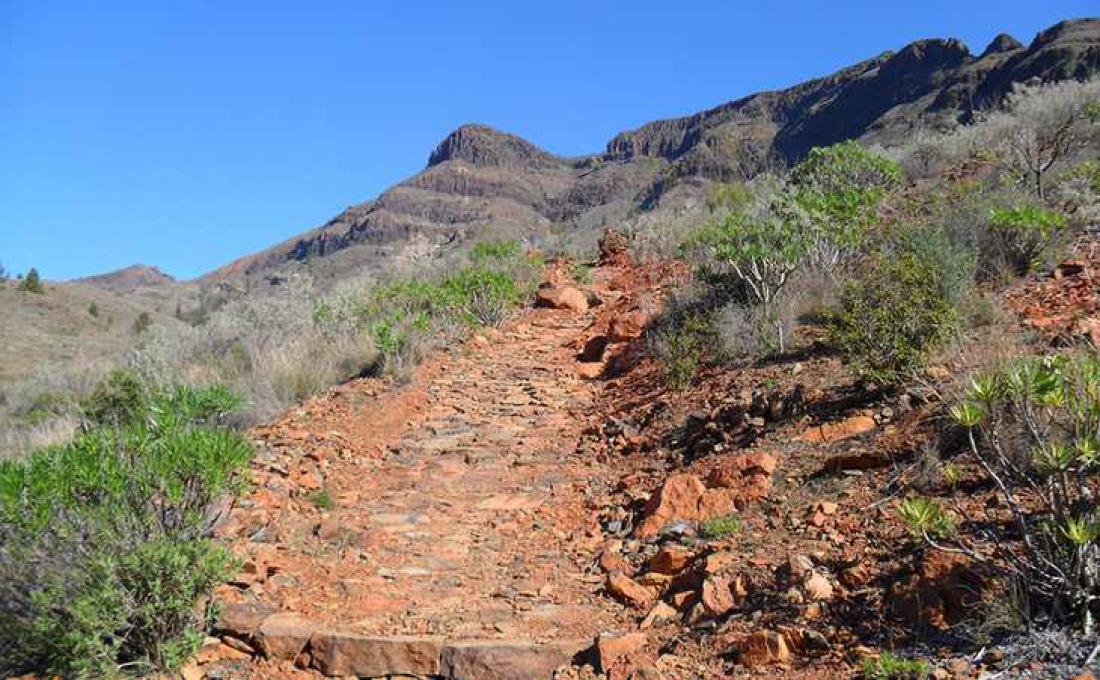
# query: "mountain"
129,279
480,182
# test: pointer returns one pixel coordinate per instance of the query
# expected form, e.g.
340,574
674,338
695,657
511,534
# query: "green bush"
116,399
406,316
719,527
1026,233
895,314
104,542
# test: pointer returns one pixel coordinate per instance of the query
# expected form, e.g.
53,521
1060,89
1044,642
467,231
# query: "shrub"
93,309
762,244
1034,428
142,323
115,400
895,314
685,339
322,499
1026,233
840,188
719,527
104,541
31,283
889,666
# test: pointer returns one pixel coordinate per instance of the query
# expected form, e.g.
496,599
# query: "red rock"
340,653
242,619
611,560
611,648
503,660
660,613
284,636
614,248
718,561
717,597
561,297
834,432
678,498
627,325
630,591
671,559
763,648
817,587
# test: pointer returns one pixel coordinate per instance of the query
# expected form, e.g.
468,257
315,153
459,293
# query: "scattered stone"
671,559
838,431
339,653
629,591
717,596
627,325
242,619
818,587
612,648
283,637
660,613
763,648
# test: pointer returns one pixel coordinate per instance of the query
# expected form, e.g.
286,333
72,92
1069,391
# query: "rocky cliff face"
483,181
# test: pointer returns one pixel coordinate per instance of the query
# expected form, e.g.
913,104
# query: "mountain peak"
484,146
1002,43
129,278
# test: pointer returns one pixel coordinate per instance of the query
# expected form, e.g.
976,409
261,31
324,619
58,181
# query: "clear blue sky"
184,134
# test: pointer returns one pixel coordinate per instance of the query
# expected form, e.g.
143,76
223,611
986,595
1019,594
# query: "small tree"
763,243
32,283
1045,128
840,187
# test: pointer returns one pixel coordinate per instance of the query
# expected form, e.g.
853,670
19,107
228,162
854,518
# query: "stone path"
458,508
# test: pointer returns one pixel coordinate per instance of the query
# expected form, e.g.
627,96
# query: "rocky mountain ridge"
480,182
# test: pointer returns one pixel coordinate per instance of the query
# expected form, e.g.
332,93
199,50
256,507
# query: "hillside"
481,182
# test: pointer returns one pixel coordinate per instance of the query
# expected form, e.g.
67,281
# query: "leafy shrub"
889,666
405,317
322,499
1034,428
31,283
104,541
1026,233
840,188
115,400
894,315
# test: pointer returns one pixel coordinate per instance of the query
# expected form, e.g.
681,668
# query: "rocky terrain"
535,504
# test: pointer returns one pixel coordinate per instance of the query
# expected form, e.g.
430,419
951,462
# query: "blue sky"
185,134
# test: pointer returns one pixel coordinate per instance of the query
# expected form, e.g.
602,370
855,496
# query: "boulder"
561,297
717,597
660,613
614,248
242,619
678,498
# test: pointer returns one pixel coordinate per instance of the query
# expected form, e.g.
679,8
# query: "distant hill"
129,279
